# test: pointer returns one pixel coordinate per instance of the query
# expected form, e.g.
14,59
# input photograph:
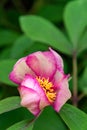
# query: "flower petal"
42,63
63,94
30,99
58,59
57,78
33,84
19,71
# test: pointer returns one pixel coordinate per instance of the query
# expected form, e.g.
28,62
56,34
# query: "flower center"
48,88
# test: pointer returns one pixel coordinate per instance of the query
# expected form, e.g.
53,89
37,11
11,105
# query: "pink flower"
41,81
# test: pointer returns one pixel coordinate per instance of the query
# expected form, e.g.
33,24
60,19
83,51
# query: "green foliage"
83,81
74,118
48,33
7,36
9,104
10,118
82,43
22,43
23,124
6,67
49,12
75,24
29,26
51,121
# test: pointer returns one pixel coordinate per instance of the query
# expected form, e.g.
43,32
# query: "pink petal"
33,84
57,78
63,94
19,71
30,99
42,63
58,60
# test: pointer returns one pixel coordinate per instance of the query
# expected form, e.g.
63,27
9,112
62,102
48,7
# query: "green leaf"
23,44
52,12
26,47
12,117
49,120
37,46
9,103
83,81
83,104
40,29
75,20
82,43
7,36
5,68
5,53
73,117
22,125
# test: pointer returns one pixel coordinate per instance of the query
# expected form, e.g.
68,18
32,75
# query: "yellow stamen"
48,88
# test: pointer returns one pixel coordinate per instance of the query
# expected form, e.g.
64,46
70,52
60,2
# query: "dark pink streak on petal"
43,64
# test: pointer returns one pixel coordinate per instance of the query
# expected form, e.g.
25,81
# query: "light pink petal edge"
57,78
30,99
63,94
19,71
58,60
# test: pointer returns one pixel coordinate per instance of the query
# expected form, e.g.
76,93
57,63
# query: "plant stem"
75,88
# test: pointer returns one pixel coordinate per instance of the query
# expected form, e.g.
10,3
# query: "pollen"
48,88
